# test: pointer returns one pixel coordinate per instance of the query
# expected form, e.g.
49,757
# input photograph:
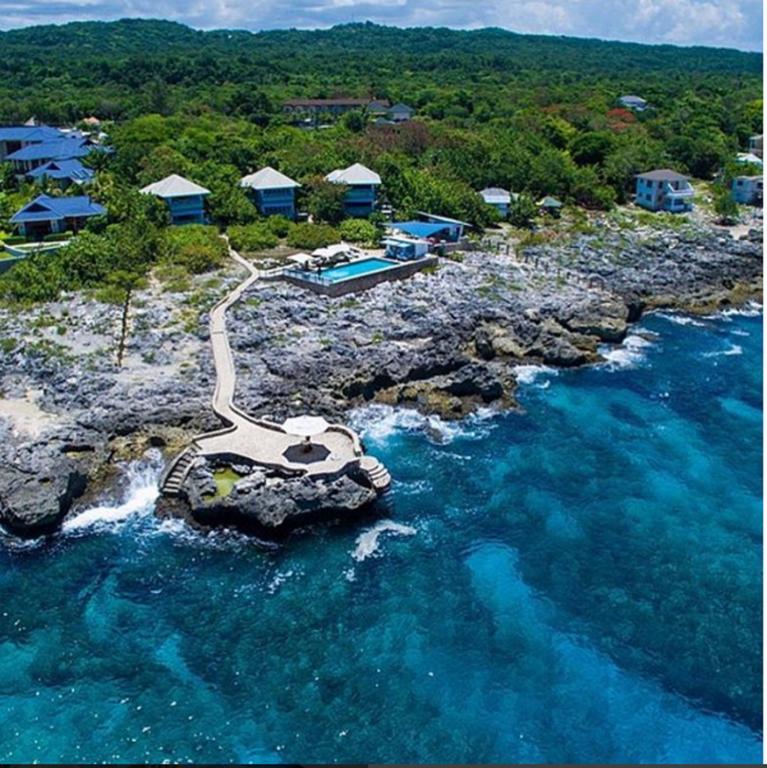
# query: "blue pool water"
356,269
578,582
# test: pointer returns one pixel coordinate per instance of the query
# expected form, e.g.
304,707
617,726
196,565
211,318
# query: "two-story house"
362,188
664,190
185,199
272,192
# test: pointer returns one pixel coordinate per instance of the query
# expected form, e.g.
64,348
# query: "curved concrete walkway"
258,440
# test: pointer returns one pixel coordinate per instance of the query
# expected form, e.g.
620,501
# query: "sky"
727,23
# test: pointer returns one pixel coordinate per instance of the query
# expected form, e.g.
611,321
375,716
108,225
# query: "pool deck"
259,441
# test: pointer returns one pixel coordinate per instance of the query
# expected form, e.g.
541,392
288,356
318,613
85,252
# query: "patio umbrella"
306,427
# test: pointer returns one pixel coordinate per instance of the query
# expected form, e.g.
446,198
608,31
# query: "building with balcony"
362,189
272,192
756,145
185,199
664,190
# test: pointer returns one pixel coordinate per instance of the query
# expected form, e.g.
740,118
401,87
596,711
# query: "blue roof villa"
51,215
16,137
499,198
362,194
453,228
664,190
63,148
63,172
272,192
185,199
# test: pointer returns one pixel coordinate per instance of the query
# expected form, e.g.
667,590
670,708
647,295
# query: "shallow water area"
578,582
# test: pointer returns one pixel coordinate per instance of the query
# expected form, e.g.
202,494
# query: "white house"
637,103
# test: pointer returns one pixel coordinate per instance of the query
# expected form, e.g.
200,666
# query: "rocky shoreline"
445,342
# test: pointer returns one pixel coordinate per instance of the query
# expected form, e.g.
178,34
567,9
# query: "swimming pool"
356,275
354,269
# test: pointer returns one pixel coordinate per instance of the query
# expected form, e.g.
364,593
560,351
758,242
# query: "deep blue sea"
580,582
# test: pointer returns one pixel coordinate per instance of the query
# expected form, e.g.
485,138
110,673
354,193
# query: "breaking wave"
629,354
138,501
378,422
367,542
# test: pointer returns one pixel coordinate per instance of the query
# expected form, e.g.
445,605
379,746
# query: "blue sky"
729,23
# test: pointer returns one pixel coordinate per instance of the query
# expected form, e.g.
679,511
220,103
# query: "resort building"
61,172
664,190
432,232
454,228
16,137
70,147
362,193
330,108
749,158
748,190
400,113
272,192
405,248
756,145
499,198
185,199
637,103
51,215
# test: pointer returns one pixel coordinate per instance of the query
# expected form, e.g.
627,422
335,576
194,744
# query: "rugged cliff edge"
444,342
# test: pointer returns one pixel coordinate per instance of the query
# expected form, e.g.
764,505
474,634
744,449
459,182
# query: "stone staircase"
178,470
377,473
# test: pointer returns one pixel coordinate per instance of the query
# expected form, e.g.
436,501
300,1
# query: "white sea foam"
138,501
378,422
680,319
751,309
629,354
732,349
367,542
529,374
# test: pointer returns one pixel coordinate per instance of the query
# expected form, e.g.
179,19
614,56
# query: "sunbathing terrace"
246,439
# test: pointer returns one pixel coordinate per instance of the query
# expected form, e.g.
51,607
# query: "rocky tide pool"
577,583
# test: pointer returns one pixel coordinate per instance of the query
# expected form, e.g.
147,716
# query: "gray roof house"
400,113
185,199
664,189
273,193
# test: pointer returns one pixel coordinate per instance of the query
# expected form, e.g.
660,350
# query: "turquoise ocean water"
578,582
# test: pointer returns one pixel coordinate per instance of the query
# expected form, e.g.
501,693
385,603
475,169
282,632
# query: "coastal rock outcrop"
269,504
40,481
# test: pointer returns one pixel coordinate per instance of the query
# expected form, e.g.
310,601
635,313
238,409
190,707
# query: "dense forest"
534,114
